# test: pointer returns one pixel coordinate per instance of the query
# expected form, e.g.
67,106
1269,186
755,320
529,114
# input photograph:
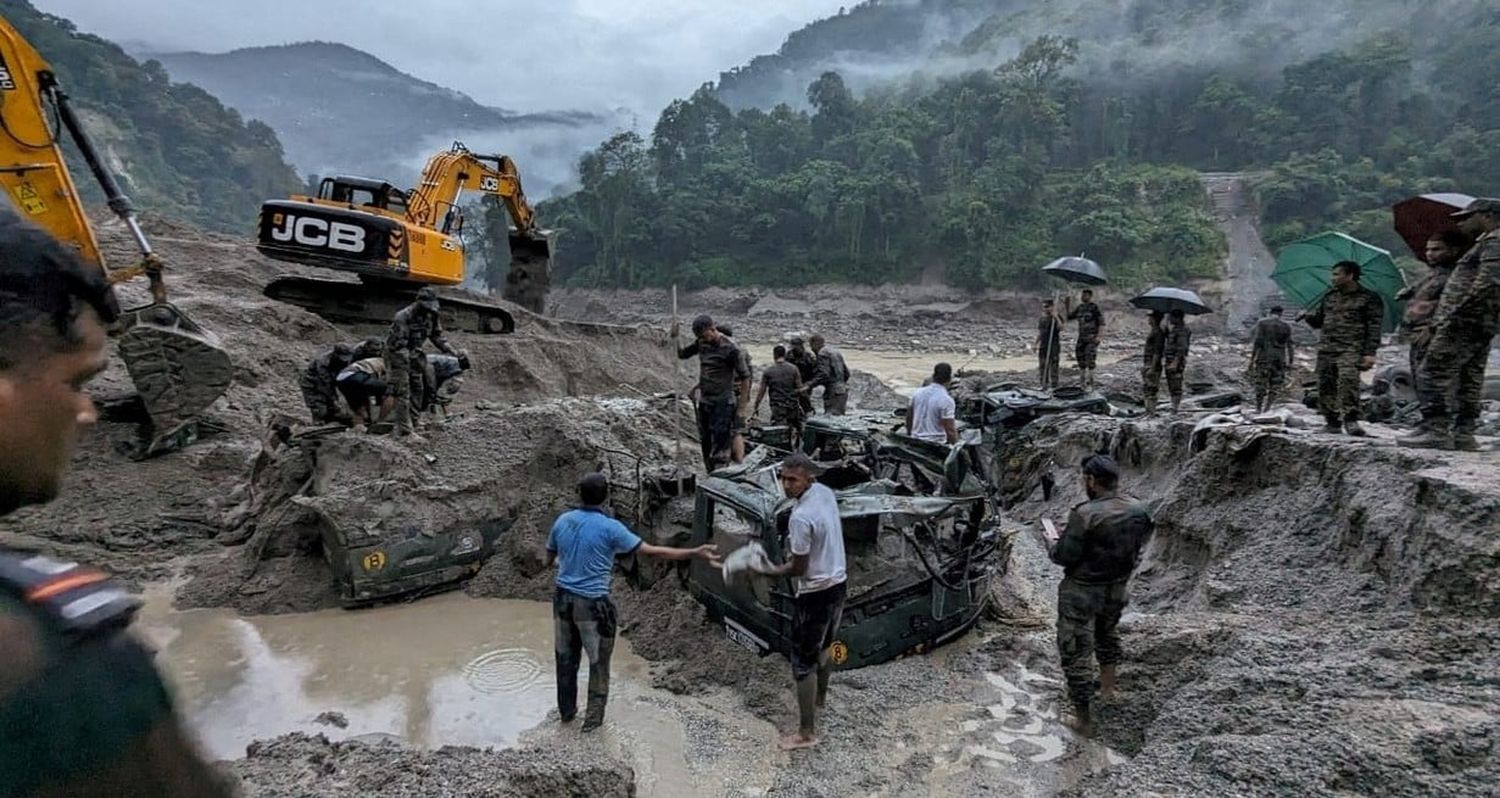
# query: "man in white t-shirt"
816,540
930,416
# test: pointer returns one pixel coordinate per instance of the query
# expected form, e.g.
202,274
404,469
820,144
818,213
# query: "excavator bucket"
530,270
178,368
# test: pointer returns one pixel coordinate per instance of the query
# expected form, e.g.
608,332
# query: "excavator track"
376,301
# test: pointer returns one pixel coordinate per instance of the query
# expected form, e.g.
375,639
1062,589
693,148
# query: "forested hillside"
340,110
995,152
176,149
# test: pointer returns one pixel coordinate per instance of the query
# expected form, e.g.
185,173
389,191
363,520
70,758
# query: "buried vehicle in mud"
319,490
414,560
919,566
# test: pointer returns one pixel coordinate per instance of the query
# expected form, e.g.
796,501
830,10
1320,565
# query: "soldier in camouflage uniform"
1270,358
413,326
1156,342
807,366
1175,352
1350,317
1451,383
832,374
1099,550
1048,345
83,711
1090,321
1443,252
317,383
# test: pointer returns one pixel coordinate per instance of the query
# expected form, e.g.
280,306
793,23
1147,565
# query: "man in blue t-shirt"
584,543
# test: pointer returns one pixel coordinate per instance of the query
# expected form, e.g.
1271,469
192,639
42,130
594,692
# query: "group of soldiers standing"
1167,343
1085,349
1450,322
722,393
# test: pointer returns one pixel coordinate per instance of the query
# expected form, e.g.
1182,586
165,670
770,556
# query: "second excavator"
397,242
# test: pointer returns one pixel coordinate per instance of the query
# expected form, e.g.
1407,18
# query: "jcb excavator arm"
448,174
178,367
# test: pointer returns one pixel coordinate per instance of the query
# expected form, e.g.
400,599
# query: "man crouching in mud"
816,539
584,543
82,709
1099,549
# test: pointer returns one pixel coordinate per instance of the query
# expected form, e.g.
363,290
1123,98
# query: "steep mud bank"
1314,616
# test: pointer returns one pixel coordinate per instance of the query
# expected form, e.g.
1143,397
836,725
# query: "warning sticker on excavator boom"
29,200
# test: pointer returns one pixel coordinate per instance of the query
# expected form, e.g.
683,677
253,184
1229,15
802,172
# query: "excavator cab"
362,192
178,367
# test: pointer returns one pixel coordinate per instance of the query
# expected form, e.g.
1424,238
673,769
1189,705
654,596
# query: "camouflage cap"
428,298
1481,205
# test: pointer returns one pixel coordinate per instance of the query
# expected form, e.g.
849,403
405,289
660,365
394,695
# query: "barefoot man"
816,540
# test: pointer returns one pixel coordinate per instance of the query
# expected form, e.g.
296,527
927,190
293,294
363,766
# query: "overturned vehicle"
921,542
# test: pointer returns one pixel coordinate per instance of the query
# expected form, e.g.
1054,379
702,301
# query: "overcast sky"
526,56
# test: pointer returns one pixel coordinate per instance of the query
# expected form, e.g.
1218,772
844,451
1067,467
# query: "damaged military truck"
919,566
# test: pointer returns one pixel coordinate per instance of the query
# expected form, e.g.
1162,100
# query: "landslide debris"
1314,616
516,465
145,521
311,767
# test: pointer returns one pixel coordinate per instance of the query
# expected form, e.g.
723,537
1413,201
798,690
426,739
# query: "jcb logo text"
314,232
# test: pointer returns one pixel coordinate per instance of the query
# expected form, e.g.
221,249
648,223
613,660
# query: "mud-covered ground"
311,766
1315,616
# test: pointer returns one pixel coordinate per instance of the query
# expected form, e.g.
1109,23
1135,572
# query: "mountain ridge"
311,93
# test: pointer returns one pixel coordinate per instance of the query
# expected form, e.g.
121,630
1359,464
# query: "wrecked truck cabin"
919,566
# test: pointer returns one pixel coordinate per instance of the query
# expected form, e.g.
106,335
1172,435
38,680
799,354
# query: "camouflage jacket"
324,369
1350,321
1104,540
1090,320
1422,299
1272,342
806,363
1472,296
412,328
1175,351
1156,345
831,373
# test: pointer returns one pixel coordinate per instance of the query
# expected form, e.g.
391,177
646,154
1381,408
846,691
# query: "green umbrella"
1304,271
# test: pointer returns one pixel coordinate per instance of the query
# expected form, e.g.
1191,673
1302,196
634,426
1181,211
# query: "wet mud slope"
1313,617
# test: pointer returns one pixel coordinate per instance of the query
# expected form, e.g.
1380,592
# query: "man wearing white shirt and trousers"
930,416
816,539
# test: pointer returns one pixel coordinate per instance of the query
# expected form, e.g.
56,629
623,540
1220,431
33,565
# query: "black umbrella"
1166,300
1077,270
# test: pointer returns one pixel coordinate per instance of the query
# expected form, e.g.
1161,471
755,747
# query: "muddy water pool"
446,670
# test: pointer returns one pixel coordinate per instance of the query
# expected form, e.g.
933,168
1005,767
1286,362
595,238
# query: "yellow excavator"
397,242
178,367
